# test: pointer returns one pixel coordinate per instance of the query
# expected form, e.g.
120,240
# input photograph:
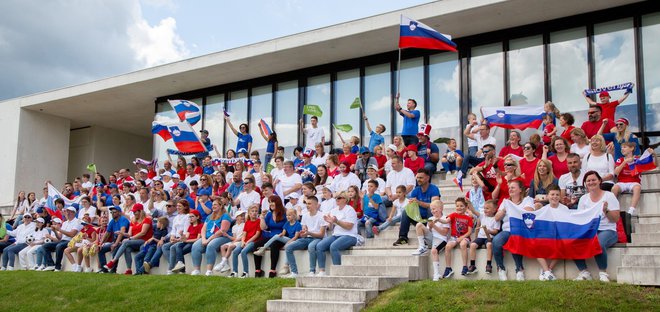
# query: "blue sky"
46,45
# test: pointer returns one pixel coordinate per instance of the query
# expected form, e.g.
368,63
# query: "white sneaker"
225,268
436,277
10,268
244,275
284,270
41,268
502,275
321,274
604,277
169,272
88,270
179,266
208,273
219,266
233,274
260,251
422,250
551,276
3,269
632,211
195,272
583,276
311,274
74,268
291,275
34,268
49,268
520,276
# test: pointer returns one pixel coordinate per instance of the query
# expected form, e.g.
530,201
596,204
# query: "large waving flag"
185,138
514,117
414,34
54,194
643,163
161,130
553,233
186,110
265,127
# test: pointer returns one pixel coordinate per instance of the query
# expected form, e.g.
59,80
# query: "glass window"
347,88
526,84
286,115
614,60
214,120
237,107
377,99
164,113
569,72
318,93
262,107
412,87
487,82
444,115
650,48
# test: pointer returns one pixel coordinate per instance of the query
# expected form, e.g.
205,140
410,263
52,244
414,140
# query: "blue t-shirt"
208,144
116,225
308,177
291,230
355,149
611,137
369,211
422,196
234,189
191,202
243,140
297,162
202,213
410,125
11,239
376,139
270,146
421,150
208,170
213,226
274,228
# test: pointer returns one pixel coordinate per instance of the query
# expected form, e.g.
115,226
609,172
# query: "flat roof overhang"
125,102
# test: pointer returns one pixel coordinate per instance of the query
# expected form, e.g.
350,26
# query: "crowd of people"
329,201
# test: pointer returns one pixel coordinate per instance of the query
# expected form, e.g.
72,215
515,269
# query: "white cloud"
158,44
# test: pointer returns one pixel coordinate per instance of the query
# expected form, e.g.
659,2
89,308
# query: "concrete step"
379,252
407,272
648,203
391,260
387,242
394,234
629,260
645,238
648,218
648,276
329,294
638,251
647,228
316,306
650,181
359,282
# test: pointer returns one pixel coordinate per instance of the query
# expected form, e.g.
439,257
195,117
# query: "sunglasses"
203,179
620,124
509,165
169,205
485,150
591,113
527,147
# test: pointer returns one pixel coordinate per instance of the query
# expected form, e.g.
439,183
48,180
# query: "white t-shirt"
91,211
580,151
381,186
289,182
190,179
388,167
275,173
490,223
257,179
347,214
316,160
313,223
475,131
404,177
341,182
327,205
481,142
237,231
436,234
399,206
526,202
612,204
70,226
313,136
246,200
603,164
88,185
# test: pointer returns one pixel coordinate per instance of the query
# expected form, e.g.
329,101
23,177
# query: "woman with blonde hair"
511,173
600,161
543,178
618,135
580,144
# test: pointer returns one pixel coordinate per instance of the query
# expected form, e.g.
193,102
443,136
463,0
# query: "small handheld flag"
265,127
226,112
186,110
344,128
458,180
643,163
414,34
356,103
91,168
313,110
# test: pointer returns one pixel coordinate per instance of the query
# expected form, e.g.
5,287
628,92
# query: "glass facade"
535,65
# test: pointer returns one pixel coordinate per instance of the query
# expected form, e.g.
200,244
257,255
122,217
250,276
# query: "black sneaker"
472,269
464,271
489,269
258,273
400,241
103,271
448,273
272,274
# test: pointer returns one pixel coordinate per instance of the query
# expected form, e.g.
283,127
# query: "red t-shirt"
527,169
591,128
558,167
357,205
182,173
538,153
627,175
136,228
350,159
89,230
250,228
199,170
567,134
381,160
548,128
414,165
489,173
460,223
609,110
509,150
194,230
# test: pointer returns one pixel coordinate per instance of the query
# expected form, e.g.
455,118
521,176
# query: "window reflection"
214,120
262,107
444,96
412,87
569,71
286,115
650,48
487,82
378,100
525,61
347,88
318,93
237,109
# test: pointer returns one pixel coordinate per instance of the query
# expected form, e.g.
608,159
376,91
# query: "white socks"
420,239
436,268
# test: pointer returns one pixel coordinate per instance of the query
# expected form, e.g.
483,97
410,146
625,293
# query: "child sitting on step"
398,204
488,228
461,228
438,231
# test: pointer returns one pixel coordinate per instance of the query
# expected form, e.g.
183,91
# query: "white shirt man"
399,175
313,133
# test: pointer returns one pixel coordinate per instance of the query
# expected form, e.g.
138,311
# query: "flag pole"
398,76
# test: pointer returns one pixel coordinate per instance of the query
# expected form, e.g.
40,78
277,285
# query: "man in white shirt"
248,196
313,134
190,175
65,233
483,138
570,183
399,175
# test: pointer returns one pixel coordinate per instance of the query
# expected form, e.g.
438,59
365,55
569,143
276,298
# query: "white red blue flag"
458,180
643,163
414,34
161,130
54,194
186,111
514,117
185,138
265,127
555,233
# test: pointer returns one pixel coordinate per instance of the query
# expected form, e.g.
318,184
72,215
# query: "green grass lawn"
516,296
48,291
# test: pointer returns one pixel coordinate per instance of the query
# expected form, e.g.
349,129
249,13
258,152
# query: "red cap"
195,212
604,93
412,147
137,207
623,120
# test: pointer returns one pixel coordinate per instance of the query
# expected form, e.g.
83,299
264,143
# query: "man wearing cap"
594,121
608,108
64,233
143,175
21,232
308,169
411,118
313,133
427,150
423,195
113,191
182,193
248,196
399,175
364,162
483,138
117,226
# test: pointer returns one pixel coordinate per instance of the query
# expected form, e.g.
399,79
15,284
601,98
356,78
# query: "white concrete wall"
80,151
9,118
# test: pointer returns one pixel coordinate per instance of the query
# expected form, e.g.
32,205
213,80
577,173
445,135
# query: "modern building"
544,50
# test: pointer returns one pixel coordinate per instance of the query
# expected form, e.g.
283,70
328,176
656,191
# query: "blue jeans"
146,253
58,248
368,223
387,224
335,244
243,251
276,238
106,248
472,150
300,244
171,254
470,160
182,249
606,239
125,248
166,248
498,252
211,250
9,254
430,167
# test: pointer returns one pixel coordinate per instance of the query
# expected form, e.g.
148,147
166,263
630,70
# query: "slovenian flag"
185,138
555,233
265,127
54,194
187,111
458,180
414,34
161,130
643,163
514,117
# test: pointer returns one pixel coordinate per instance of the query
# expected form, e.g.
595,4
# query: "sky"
45,45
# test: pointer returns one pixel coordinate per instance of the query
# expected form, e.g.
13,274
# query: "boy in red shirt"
629,180
461,228
413,162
